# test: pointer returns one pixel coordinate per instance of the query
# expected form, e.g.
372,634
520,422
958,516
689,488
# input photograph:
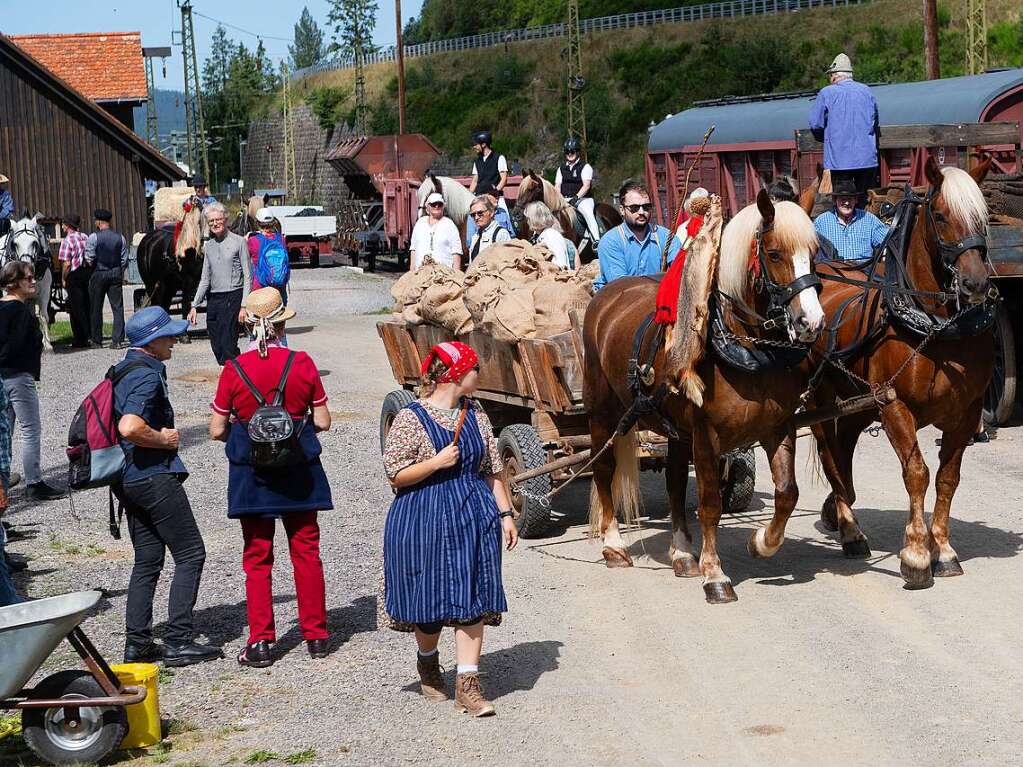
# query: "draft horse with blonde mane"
932,284
765,272
537,189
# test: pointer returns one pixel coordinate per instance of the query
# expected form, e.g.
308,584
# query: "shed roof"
104,66
952,100
155,164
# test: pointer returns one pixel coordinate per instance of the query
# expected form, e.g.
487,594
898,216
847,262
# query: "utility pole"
976,37
931,39
576,81
360,91
401,68
198,159
290,174
152,131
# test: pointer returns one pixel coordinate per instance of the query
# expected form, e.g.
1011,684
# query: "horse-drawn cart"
532,393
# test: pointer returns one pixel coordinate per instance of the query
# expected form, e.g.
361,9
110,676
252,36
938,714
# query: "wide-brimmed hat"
841,65
264,216
151,323
435,197
73,220
267,304
843,186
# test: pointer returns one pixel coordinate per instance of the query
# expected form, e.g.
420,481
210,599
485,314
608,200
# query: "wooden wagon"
532,393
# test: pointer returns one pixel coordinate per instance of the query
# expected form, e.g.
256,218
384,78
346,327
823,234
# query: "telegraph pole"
931,39
198,160
576,81
401,68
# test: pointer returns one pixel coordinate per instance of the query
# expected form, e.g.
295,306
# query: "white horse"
26,241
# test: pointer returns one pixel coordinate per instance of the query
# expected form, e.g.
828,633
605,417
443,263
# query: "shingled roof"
103,66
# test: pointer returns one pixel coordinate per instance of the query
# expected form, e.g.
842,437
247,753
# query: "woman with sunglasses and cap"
257,496
435,235
445,528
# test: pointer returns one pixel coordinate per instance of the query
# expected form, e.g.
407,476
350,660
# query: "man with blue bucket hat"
159,514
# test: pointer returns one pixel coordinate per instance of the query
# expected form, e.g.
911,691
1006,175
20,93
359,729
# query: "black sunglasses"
436,205
646,207
478,213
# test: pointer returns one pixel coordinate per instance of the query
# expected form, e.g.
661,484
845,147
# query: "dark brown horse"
167,266
536,189
739,407
942,383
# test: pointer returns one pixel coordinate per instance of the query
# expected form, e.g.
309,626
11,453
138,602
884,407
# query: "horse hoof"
616,558
916,579
687,567
946,569
719,593
829,514
858,549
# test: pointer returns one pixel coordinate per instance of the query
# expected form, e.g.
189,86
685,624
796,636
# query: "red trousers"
258,560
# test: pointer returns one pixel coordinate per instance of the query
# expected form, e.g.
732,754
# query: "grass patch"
73,549
261,756
61,335
178,727
165,676
301,757
375,312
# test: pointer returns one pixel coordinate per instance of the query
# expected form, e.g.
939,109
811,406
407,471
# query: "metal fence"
723,10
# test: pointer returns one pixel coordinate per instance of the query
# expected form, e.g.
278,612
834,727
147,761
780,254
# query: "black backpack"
275,440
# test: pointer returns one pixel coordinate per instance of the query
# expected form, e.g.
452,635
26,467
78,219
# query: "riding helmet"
482,137
572,144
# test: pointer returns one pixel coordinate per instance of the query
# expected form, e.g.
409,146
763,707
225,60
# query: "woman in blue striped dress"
444,531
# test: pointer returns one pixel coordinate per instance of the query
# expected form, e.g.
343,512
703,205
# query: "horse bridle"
779,296
27,229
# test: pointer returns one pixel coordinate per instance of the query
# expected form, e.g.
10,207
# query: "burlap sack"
553,298
516,262
480,289
441,304
167,203
511,317
586,274
410,286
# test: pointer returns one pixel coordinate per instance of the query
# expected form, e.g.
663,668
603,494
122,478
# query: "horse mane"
552,198
964,199
793,230
191,233
457,199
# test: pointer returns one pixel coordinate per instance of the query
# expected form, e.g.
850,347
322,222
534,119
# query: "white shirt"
502,165
487,237
586,174
556,244
440,241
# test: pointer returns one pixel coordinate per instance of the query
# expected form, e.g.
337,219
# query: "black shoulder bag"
274,439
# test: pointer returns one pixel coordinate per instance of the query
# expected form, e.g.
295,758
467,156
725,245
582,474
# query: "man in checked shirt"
75,275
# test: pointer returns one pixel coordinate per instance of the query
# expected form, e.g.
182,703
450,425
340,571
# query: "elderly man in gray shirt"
226,279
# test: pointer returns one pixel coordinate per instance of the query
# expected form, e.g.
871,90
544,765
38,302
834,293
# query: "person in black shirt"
107,251
574,180
21,350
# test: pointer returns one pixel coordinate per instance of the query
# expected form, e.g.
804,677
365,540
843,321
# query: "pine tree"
352,23
308,48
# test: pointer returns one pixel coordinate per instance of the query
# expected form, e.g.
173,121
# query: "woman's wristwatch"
508,513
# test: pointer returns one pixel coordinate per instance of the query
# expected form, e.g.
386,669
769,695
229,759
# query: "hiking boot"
431,683
469,696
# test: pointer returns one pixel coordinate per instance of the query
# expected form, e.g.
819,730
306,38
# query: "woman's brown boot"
431,683
469,696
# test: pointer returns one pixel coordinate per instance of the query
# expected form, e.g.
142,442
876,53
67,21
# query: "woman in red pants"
293,493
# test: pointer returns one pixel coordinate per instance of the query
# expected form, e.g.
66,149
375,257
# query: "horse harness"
41,262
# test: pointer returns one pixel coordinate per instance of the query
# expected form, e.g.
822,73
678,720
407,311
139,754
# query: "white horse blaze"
809,304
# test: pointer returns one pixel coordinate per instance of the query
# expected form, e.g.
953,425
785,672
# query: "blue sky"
156,18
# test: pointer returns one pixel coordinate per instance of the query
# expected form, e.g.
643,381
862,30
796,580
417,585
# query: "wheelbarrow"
72,716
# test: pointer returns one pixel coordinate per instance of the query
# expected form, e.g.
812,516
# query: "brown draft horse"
942,385
739,408
537,189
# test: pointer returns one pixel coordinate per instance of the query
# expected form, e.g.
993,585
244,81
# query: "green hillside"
640,75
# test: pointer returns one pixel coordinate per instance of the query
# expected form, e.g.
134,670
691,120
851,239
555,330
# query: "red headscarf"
457,357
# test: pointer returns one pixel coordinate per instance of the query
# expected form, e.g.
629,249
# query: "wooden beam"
912,136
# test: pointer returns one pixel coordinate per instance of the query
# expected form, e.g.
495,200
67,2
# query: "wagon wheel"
1000,396
56,740
521,450
393,402
738,481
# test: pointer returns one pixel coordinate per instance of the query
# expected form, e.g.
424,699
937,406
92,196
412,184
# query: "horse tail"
814,467
692,386
625,483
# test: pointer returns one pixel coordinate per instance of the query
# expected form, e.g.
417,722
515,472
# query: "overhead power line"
239,29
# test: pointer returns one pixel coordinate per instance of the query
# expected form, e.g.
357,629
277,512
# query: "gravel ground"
822,657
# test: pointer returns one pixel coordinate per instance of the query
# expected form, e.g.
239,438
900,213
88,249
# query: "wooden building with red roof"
66,141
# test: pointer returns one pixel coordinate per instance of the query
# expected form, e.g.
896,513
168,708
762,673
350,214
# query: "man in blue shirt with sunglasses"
633,248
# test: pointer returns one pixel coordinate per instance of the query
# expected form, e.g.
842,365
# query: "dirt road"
822,659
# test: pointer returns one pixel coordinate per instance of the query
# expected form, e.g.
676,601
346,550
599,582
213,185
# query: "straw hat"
266,304
3,179
841,65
